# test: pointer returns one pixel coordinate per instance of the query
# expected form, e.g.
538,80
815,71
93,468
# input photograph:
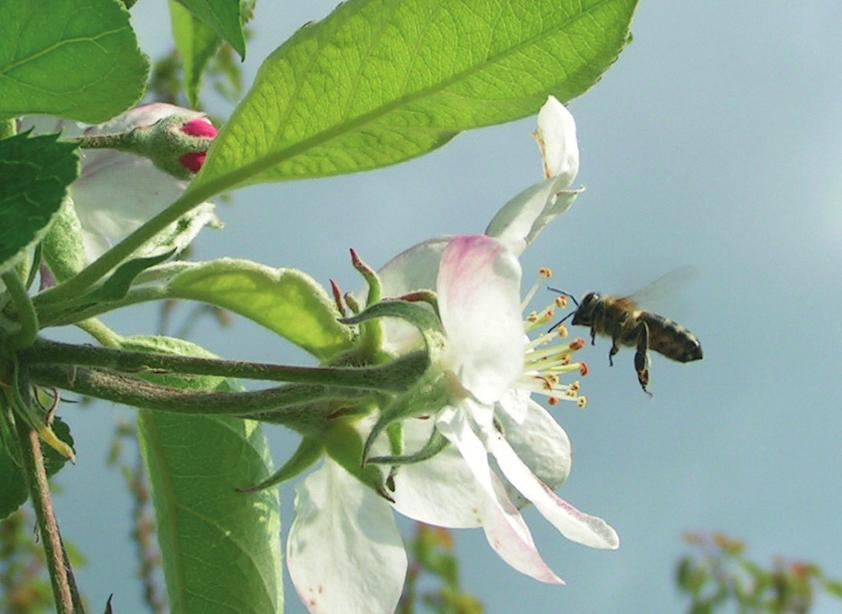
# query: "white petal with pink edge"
479,301
504,527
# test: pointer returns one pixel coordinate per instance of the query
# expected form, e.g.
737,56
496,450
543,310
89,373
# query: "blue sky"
713,142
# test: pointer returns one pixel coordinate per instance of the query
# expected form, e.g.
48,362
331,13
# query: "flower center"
550,356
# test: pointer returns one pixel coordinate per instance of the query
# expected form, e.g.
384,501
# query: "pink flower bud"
200,127
193,161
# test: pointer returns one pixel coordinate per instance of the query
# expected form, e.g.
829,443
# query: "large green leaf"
224,17
197,43
381,81
34,175
13,482
285,301
221,548
68,58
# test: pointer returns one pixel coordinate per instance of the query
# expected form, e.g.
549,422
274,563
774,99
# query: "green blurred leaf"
285,301
224,17
197,43
34,175
73,59
833,587
12,481
378,82
117,286
221,548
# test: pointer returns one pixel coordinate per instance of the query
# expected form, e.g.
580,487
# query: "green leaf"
34,175
285,301
73,59
117,286
224,17
221,548
197,43
12,481
380,82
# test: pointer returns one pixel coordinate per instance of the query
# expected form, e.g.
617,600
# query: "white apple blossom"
492,369
344,552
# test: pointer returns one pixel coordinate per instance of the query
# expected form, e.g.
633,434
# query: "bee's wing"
668,284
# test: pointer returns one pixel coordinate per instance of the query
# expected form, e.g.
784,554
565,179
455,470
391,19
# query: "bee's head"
584,314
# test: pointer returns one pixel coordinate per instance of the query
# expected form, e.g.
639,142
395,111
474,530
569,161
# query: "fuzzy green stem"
396,376
100,332
75,310
27,318
39,492
100,267
283,403
106,141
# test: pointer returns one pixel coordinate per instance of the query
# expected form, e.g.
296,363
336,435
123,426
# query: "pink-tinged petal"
540,443
440,491
519,222
344,551
572,523
411,270
200,127
193,162
479,300
504,527
556,136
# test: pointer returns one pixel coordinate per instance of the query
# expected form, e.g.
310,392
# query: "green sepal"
427,322
435,444
429,395
117,286
308,452
344,444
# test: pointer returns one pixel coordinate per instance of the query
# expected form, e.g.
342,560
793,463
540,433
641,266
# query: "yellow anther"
582,402
562,331
561,301
545,272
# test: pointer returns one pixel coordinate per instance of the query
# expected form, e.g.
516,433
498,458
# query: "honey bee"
626,324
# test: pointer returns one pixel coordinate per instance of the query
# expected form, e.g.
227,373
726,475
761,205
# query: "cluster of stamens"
549,356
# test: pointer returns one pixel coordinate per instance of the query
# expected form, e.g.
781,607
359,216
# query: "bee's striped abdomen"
671,339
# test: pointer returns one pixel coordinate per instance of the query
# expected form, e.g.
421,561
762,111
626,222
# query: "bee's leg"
641,357
613,351
597,316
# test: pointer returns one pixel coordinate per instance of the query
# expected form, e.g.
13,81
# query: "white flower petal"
519,222
556,136
479,300
514,404
504,527
540,443
573,524
412,270
344,551
440,491
116,194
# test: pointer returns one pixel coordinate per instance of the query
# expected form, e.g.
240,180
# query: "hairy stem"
396,376
100,332
289,405
27,318
39,492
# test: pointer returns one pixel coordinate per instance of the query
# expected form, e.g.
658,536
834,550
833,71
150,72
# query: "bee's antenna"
562,321
568,295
